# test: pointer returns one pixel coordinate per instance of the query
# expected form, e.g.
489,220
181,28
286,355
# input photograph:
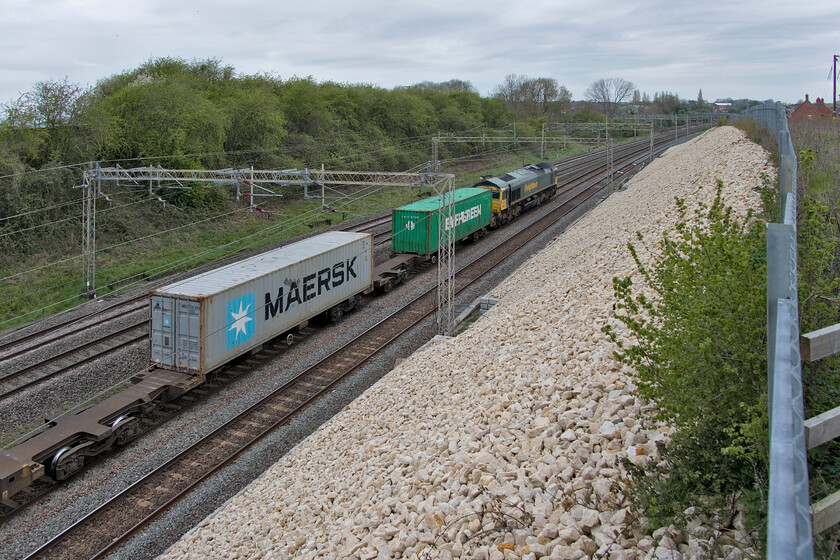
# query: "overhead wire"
290,224
280,149
71,218
44,209
54,286
43,170
265,233
79,217
172,266
61,261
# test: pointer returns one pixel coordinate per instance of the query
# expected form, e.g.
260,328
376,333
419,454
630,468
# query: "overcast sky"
744,49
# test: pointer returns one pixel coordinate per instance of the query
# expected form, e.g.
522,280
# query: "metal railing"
789,531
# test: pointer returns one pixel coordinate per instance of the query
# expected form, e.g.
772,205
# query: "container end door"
189,335
163,331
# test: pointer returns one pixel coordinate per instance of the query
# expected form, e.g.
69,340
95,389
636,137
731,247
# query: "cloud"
731,49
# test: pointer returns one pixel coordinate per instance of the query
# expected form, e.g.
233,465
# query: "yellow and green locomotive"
517,191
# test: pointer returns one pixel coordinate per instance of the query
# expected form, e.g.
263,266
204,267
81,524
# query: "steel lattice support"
90,191
88,247
270,177
446,259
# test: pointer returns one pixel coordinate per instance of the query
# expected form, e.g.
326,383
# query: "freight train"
490,203
519,190
201,324
196,326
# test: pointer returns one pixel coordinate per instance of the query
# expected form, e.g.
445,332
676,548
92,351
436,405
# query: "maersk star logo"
240,320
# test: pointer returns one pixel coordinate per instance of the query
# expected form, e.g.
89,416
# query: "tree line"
201,113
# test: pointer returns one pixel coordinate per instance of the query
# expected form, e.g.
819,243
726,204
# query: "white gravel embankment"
505,441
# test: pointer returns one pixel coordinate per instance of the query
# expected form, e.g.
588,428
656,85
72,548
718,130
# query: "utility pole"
651,140
90,190
542,145
445,258
834,97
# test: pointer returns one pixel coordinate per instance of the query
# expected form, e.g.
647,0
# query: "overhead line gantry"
258,183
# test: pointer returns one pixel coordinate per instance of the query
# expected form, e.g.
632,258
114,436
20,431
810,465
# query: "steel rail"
76,320
67,354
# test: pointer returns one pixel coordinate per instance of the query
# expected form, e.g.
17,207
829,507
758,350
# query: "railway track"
53,365
106,528
379,237
370,225
31,342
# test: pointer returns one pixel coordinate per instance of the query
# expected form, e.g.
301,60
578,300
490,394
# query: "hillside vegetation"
203,115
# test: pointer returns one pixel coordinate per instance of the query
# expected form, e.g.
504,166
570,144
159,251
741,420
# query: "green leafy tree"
39,125
257,125
166,118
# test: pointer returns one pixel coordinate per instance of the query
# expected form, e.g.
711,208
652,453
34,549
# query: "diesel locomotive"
517,191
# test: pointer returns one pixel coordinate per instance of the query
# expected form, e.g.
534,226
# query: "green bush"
700,356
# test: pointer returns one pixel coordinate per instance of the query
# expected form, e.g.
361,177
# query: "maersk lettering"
294,295
273,309
462,217
338,274
323,279
308,287
312,286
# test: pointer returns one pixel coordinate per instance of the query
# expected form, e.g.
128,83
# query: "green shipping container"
415,226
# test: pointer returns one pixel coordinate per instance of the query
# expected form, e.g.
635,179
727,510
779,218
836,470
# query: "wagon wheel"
125,428
65,462
336,313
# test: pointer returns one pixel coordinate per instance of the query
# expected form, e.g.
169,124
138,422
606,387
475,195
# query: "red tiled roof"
809,110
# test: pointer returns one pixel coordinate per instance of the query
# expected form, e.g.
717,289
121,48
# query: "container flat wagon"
199,325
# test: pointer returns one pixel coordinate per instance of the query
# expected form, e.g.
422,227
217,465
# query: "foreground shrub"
700,356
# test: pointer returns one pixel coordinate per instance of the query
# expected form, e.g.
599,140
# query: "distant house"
808,110
722,106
